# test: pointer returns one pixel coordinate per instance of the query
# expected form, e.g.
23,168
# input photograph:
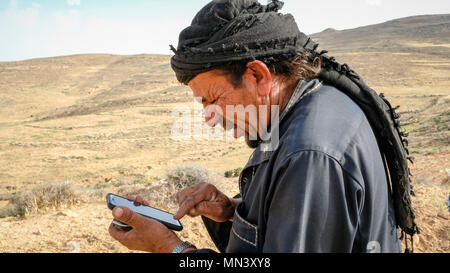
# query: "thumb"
129,217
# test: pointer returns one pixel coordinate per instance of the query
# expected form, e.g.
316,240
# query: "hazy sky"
44,28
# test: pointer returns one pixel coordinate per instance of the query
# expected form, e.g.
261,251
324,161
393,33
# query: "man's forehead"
200,90
205,81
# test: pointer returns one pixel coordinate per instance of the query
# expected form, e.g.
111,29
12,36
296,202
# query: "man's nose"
211,120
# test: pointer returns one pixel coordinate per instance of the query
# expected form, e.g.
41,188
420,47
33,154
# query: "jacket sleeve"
314,208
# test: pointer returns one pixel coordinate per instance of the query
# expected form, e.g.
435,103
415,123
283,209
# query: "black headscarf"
226,31
236,30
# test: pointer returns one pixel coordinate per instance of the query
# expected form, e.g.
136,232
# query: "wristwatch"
179,248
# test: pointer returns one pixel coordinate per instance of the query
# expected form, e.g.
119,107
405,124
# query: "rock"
38,232
71,214
73,247
5,224
443,216
68,213
91,239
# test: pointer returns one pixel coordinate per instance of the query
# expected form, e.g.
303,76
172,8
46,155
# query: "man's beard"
252,143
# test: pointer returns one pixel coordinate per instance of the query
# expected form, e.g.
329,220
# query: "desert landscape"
74,128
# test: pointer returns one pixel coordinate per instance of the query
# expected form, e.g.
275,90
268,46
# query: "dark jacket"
324,189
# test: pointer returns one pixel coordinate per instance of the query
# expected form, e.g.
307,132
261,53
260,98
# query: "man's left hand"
147,234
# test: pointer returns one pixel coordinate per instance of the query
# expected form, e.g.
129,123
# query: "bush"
233,173
237,172
188,175
42,197
228,174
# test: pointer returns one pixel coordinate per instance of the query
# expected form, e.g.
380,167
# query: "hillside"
409,60
422,34
104,121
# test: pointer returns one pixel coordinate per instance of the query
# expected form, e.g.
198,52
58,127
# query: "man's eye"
204,100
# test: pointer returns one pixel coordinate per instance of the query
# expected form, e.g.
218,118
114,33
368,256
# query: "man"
324,186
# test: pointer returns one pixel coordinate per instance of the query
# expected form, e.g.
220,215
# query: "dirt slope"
92,119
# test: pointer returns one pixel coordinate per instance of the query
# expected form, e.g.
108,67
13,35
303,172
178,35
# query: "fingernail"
118,212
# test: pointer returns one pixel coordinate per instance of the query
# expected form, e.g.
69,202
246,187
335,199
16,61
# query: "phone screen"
156,214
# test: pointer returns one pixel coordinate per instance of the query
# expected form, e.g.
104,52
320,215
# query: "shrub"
233,173
237,172
188,175
228,174
42,197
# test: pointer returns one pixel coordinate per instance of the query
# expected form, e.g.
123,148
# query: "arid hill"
421,34
103,123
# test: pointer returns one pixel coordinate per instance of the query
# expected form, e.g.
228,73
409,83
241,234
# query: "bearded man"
337,178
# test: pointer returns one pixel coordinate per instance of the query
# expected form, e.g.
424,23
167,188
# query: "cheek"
230,101
234,97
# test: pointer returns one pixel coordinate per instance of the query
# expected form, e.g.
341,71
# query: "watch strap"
179,248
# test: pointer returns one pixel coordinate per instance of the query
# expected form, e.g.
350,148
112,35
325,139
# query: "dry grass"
41,199
185,176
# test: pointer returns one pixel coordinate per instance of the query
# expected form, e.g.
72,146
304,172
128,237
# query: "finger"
116,233
183,194
140,201
186,204
207,209
199,209
137,201
208,189
134,200
190,202
129,217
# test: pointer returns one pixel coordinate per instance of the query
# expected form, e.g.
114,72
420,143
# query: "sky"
47,28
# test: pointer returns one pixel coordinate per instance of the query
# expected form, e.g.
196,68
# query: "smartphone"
163,217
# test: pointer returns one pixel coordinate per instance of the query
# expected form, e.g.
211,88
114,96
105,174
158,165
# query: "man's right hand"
205,199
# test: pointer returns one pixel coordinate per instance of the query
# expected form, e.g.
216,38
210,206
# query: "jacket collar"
261,154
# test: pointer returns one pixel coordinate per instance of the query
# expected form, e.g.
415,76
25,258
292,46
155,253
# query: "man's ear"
263,77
